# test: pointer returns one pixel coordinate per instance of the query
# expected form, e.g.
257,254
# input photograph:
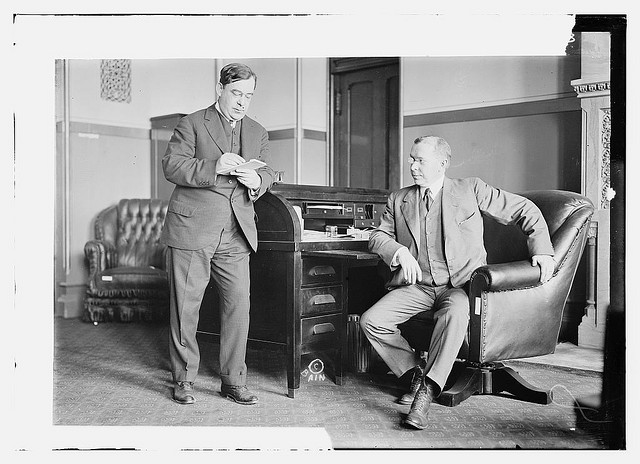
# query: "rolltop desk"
303,282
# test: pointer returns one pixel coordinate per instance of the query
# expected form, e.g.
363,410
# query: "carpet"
117,374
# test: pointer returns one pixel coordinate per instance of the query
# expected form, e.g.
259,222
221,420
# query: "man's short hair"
236,72
438,144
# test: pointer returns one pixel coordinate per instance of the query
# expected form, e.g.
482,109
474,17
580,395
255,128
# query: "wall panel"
516,153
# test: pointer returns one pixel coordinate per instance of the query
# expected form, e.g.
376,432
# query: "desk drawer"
320,271
321,300
321,333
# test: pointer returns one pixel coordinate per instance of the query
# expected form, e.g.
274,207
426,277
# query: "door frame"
339,65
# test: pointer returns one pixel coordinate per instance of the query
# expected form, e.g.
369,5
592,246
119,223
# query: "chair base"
468,379
125,310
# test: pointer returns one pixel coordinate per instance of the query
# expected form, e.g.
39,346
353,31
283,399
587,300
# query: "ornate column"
593,88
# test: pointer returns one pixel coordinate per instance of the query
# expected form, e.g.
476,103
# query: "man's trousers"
227,262
451,315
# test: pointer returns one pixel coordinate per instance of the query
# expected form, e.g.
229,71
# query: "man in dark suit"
431,235
210,229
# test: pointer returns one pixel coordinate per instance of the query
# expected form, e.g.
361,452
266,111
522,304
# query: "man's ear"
219,88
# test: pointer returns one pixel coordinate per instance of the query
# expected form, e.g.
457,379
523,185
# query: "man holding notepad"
217,158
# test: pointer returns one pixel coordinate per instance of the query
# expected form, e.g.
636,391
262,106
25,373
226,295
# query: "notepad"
251,164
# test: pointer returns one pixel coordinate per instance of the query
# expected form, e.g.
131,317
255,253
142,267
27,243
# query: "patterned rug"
117,374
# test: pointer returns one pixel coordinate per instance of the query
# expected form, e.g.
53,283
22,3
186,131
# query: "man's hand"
248,177
228,160
547,265
411,271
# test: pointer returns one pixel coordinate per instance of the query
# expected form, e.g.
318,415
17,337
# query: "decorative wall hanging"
115,80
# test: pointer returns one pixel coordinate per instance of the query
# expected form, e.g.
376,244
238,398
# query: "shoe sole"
414,425
404,402
230,397
184,402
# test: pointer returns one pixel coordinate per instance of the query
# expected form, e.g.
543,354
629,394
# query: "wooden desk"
304,284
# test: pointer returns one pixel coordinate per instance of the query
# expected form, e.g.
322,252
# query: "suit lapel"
214,127
246,140
411,213
450,203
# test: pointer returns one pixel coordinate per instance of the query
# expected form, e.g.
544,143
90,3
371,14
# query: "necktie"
427,199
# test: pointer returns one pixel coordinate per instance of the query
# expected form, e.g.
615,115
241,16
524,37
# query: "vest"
228,183
431,257
232,133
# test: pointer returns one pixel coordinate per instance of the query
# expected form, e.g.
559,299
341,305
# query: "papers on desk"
359,233
315,236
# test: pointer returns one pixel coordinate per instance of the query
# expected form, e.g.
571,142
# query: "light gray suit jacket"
463,203
199,206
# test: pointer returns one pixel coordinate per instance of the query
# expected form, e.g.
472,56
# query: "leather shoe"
417,417
183,392
239,394
416,381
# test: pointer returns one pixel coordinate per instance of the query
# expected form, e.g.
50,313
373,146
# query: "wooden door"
366,122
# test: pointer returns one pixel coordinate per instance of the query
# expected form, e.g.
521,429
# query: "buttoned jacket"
200,203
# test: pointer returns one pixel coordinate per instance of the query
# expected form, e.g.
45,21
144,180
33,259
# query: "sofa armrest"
165,258
506,276
100,254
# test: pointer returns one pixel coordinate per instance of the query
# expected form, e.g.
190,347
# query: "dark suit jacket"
463,202
199,205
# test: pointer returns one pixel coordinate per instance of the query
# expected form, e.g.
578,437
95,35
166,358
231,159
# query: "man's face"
426,165
234,98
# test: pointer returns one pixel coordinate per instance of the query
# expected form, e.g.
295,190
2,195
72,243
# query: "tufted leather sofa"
127,277
513,315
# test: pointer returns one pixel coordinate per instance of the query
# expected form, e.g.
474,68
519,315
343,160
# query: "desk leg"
338,366
293,369
341,350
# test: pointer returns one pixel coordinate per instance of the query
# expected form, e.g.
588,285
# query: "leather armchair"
513,315
127,277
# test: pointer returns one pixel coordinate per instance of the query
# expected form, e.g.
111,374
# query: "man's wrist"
394,260
253,192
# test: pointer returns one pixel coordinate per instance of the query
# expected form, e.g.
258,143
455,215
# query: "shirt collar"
434,186
230,121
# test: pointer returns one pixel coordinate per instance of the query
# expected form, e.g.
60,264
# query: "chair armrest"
101,256
506,276
513,315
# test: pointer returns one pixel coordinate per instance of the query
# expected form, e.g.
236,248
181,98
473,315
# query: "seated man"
431,235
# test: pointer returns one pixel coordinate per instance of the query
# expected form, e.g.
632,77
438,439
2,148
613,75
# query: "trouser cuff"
237,380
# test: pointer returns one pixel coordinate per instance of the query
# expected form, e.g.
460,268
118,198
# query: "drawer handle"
322,270
323,328
322,299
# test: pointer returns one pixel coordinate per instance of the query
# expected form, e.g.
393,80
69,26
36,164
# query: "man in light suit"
431,235
210,229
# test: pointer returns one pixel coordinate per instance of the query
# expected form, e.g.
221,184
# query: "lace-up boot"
183,392
417,417
239,394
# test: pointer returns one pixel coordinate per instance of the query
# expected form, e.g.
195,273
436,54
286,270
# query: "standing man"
431,235
210,229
